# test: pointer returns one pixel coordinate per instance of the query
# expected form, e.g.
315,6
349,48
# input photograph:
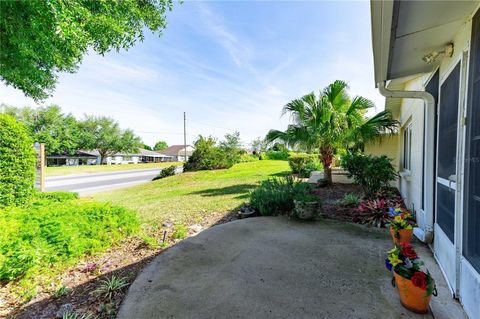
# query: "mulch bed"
330,197
124,260
332,208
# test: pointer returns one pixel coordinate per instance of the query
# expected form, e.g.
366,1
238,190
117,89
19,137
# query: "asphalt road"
89,183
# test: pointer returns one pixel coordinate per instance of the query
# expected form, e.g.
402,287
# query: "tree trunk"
326,157
327,174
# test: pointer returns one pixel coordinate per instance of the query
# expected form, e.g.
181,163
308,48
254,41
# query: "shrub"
55,196
371,172
50,232
275,196
246,158
208,156
304,164
17,162
110,287
350,200
166,172
275,155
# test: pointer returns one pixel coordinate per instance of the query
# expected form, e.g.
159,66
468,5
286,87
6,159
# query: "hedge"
17,162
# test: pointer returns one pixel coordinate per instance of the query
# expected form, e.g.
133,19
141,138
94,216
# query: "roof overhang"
403,32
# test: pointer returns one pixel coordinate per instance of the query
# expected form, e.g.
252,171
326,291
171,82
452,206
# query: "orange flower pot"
405,236
411,297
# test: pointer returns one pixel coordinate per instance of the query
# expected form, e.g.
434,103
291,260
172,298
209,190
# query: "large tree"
160,145
332,121
60,132
39,39
105,135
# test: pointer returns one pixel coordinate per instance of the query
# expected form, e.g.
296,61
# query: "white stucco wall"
412,111
411,186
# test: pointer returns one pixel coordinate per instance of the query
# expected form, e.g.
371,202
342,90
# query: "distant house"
93,158
79,158
142,156
178,152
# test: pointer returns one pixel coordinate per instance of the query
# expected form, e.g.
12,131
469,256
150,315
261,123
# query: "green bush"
53,231
55,196
304,164
17,162
208,156
275,155
275,196
371,172
246,158
350,200
166,172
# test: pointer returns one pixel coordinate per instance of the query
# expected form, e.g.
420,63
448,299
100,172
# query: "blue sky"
229,65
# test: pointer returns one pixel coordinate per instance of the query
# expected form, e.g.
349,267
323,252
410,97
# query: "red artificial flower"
419,279
407,251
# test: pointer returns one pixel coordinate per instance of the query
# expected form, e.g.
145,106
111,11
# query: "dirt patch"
81,282
330,197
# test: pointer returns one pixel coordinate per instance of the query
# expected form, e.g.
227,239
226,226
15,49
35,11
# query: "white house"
427,65
179,153
142,156
93,158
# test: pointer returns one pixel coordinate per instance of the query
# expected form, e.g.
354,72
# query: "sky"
231,66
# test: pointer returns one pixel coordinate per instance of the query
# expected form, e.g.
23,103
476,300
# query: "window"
407,147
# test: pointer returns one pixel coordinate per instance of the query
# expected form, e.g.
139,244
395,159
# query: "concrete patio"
272,267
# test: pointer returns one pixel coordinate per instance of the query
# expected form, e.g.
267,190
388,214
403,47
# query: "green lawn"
65,170
189,197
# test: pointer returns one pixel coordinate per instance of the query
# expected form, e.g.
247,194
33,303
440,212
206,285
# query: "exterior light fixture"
433,56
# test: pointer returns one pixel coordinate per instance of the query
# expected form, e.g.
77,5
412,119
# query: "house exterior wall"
463,278
411,181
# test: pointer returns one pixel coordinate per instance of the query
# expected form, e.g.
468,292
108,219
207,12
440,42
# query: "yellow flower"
398,219
409,227
393,259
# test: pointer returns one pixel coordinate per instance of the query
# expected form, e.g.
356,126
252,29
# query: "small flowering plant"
401,219
405,262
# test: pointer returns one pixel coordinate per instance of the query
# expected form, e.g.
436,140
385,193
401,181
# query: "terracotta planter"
405,236
411,297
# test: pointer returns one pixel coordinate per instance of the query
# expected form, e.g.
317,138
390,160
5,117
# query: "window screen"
446,210
471,246
447,124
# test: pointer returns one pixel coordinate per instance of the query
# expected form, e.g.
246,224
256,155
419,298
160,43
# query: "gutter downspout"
425,231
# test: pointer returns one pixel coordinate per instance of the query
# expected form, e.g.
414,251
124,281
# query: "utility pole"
185,135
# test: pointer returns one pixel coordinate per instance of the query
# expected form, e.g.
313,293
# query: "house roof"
403,32
176,150
144,152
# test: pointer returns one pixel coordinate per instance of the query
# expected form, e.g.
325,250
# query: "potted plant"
401,226
415,286
306,206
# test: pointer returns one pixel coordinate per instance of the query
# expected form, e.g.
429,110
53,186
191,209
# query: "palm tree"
330,122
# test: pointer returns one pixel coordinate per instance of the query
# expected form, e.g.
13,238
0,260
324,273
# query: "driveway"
88,183
269,267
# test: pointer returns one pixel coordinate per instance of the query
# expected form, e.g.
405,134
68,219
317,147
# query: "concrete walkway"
270,267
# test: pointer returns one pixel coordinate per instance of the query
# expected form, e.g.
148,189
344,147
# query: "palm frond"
359,103
336,93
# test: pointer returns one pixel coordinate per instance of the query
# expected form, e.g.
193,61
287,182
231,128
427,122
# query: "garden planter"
306,210
403,236
411,297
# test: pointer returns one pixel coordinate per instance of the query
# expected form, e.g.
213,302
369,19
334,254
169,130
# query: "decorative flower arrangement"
404,261
402,219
